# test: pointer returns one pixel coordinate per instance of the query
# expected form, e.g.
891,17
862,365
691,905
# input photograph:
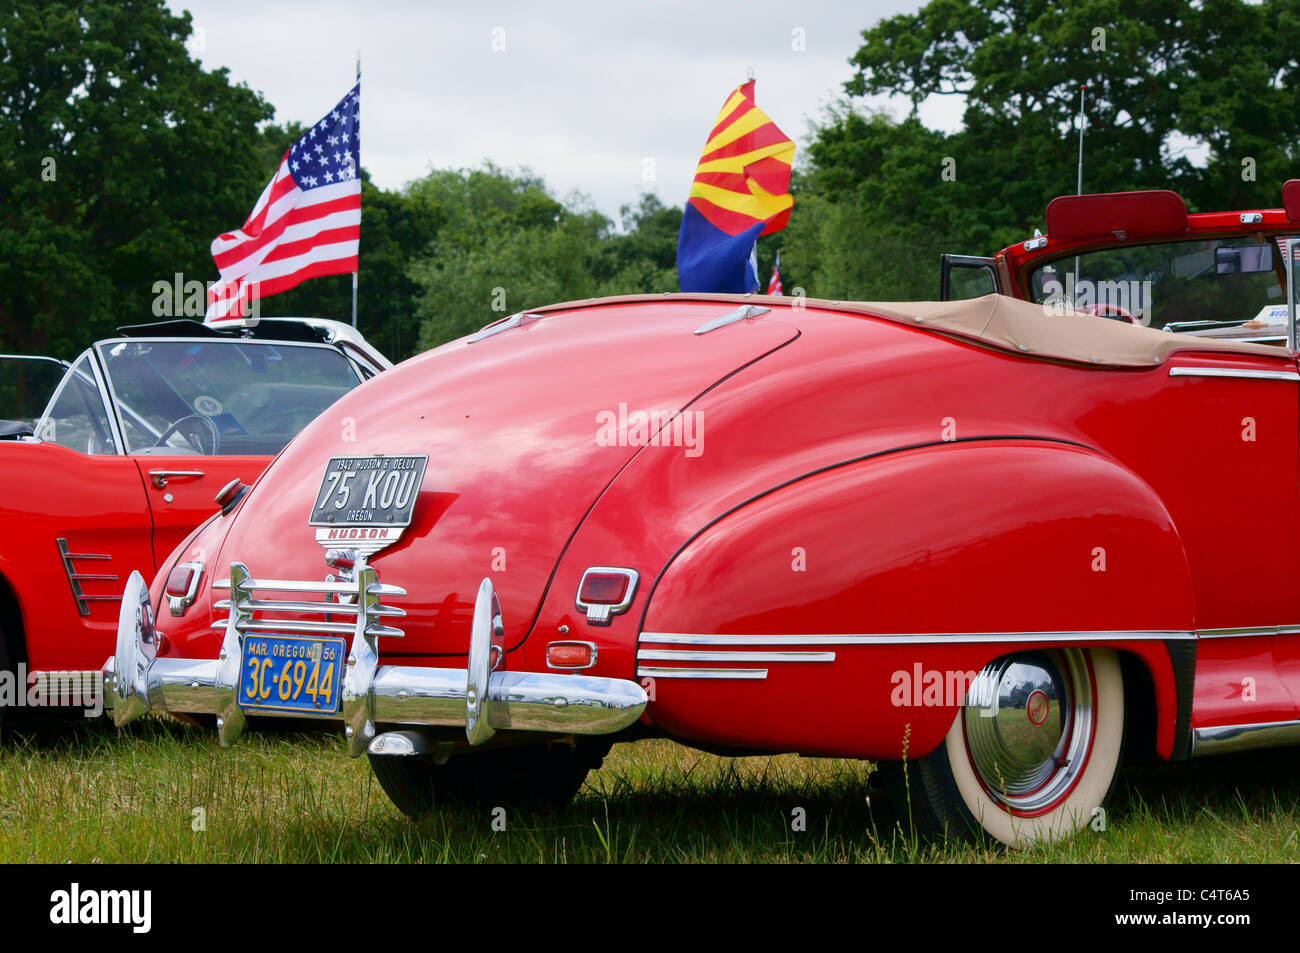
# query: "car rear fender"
891,570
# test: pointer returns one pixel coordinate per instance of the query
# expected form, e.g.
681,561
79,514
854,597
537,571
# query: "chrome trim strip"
517,320
291,585
1221,739
1233,372
686,655
1243,631
654,671
743,313
683,638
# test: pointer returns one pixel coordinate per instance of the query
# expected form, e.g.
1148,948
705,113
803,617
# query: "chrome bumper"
480,698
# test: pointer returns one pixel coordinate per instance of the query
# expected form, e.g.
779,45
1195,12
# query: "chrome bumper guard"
481,698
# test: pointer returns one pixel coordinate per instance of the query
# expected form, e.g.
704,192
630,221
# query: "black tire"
536,776
6,669
948,793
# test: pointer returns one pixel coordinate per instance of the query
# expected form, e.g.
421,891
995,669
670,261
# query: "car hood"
524,430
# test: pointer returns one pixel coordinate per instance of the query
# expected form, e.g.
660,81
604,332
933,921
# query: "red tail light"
603,588
605,591
182,586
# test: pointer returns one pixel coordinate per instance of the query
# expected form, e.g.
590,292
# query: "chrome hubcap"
1028,721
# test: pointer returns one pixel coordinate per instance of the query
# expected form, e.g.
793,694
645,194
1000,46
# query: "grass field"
87,793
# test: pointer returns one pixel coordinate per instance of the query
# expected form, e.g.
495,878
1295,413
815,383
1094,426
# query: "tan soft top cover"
999,321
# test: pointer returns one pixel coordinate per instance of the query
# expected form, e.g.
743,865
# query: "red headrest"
1291,199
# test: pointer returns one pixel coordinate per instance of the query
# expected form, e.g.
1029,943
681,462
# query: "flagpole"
1079,183
1083,88
354,273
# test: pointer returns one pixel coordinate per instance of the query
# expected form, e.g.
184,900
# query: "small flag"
307,222
774,286
741,190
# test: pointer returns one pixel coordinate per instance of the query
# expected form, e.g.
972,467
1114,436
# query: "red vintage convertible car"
993,544
1141,257
110,462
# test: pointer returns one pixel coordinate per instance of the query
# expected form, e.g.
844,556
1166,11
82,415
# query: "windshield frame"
1290,251
1274,235
100,382
100,347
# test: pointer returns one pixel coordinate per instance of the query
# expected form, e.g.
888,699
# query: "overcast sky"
610,98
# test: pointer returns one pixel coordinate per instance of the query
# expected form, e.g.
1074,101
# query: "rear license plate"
285,673
377,491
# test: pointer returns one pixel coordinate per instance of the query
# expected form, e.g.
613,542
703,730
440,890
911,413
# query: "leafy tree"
505,244
123,157
869,210
874,207
643,259
1218,71
393,230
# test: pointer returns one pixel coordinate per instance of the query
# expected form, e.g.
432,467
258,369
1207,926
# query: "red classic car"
107,464
993,544
1141,257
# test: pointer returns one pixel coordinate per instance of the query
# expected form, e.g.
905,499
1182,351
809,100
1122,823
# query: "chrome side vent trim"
743,313
75,578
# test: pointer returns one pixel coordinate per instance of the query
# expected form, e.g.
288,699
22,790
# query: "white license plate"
376,491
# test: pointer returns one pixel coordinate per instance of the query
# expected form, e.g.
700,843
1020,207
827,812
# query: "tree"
1220,72
879,199
505,244
123,158
643,258
394,230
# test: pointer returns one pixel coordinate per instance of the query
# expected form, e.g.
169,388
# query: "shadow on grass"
296,798
53,730
727,814
1258,779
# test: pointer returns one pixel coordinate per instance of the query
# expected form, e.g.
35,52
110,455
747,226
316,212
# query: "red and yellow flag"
741,190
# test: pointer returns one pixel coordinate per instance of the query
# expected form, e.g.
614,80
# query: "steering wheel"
1105,309
193,435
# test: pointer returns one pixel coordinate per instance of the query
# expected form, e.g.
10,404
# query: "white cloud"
583,93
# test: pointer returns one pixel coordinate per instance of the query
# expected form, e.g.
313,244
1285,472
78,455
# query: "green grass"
88,793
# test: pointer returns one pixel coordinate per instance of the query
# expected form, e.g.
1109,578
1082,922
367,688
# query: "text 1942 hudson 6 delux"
978,541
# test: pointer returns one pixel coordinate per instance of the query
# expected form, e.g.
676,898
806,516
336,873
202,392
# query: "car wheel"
6,670
532,776
1031,757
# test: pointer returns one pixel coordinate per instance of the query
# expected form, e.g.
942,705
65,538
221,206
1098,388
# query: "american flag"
774,286
306,223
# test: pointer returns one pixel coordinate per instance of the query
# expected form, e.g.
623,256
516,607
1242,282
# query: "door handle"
159,477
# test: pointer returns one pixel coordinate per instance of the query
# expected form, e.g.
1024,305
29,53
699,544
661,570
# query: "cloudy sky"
612,98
